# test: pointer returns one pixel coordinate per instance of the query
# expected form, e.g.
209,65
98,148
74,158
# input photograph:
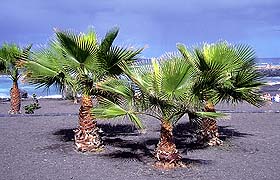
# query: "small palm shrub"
29,109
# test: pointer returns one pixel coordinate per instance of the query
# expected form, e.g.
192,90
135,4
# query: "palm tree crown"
81,61
229,71
10,54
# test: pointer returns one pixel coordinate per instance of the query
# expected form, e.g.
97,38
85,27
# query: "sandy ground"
40,146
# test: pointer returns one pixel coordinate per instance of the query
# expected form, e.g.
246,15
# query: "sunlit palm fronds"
116,97
10,57
224,72
81,49
45,68
166,86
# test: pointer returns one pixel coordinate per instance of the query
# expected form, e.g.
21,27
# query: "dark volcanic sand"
41,147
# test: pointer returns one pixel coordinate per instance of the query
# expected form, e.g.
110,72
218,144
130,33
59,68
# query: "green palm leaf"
108,109
10,57
177,75
224,72
116,86
108,40
81,48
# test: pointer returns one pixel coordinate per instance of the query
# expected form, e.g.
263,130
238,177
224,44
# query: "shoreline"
271,72
270,87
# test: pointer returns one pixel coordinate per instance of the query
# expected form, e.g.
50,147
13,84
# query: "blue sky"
157,24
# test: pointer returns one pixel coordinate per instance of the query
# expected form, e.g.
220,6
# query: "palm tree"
163,91
87,62
10,56
224,73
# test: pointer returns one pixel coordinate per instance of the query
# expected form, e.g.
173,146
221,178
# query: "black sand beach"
40,146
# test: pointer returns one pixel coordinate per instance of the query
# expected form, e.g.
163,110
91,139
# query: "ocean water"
269,61
6,83
264,62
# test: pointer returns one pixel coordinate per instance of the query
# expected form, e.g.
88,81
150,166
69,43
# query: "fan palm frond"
223,72
116,86
108,40
45,68
110,59
81,48
10,57
108,109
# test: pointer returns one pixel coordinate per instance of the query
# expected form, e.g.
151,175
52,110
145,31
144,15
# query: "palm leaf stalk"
163,92
224,73
10,57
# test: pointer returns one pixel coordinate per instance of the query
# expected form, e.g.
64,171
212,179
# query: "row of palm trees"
191,81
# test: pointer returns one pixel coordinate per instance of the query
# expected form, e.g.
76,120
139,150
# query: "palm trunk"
207,128
210,127
15,99
166,153
87,138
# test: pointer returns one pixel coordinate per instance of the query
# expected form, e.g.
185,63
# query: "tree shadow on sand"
141,151
186,139
65,135
227,133
115,140
124,142
107,130
129,149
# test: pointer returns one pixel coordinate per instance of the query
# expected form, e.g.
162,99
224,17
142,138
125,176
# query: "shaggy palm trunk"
206,128
166,153
87,138
15,99
210,132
